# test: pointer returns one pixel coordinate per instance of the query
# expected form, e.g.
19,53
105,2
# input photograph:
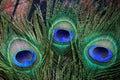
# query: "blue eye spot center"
24,58
100,54
103,51
63,35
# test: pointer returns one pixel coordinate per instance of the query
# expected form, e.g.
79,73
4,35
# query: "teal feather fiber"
90,27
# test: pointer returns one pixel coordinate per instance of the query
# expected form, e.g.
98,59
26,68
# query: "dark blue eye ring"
63,35
24,58
100,54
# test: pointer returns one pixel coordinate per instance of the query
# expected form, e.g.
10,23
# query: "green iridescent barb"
75,42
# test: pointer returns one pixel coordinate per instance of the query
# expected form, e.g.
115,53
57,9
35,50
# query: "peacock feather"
65,40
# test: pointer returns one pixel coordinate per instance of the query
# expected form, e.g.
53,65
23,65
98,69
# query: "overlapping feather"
72,66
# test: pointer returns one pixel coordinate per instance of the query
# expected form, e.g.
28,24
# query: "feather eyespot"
101,51
63,30
23,55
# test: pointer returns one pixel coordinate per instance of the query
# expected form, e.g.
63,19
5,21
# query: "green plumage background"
62,61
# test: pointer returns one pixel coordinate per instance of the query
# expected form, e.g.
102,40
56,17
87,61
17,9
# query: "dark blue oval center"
100,54
24,58
63,35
